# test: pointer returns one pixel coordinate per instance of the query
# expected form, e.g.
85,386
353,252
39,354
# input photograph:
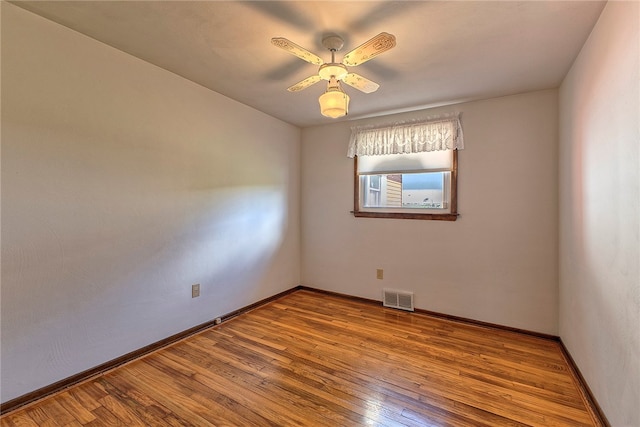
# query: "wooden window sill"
400,215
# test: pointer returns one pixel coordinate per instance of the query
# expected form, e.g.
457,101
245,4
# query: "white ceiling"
447,51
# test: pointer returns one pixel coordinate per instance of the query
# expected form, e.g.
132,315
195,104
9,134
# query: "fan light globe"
334,102
332,69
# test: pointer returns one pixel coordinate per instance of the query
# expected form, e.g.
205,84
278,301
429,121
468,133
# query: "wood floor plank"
38,414
227,408
104,418
74,407
146,409
55,411
311,359
168,398
18,420
270,390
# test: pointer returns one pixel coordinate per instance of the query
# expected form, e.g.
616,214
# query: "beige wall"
600,212
122,185
498,263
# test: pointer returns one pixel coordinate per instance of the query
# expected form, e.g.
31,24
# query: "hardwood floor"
311,359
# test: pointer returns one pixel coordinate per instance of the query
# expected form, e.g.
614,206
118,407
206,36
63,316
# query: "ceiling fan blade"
304,83
296,50
361,83
370,49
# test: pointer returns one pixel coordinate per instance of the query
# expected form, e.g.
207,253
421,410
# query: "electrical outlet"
195,290
379,273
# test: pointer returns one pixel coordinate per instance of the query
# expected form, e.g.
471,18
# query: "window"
415,186
407,170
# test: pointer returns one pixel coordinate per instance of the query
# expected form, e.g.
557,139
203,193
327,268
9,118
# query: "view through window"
408,190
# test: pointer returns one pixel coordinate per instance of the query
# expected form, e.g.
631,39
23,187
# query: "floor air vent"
397,299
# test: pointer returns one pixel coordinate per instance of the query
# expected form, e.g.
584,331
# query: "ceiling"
446,52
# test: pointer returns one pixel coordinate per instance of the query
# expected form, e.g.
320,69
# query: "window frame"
450,216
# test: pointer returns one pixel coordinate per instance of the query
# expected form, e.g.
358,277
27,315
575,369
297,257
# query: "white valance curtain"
431,134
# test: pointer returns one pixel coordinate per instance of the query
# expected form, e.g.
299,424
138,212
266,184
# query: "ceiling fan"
334,102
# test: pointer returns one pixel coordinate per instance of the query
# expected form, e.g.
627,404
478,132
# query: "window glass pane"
374,181
428,190
423,190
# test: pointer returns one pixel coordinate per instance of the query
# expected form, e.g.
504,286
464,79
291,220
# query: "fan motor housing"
332,69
